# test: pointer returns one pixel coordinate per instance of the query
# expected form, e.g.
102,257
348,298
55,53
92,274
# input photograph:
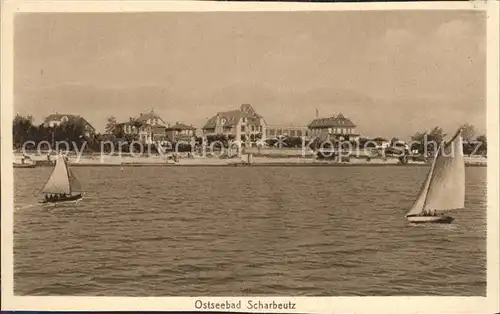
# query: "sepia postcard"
250,156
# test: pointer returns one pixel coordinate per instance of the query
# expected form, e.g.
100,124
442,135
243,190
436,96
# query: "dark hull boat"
444,188
64,200
62,187
430,219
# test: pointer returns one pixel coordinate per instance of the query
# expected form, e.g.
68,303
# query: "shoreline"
243,161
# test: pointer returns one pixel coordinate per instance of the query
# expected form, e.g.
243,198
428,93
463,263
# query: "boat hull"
430,219
68,200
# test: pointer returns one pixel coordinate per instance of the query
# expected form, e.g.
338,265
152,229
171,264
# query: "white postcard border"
487,304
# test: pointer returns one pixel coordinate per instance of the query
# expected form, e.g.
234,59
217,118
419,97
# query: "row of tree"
23,131
26,133
425,141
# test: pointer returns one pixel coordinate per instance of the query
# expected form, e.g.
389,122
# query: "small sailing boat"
444,188
62,185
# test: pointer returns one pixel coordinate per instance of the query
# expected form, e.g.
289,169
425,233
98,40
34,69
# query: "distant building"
147,128
275,131
180,132
337,126
152,119
58,119
241,124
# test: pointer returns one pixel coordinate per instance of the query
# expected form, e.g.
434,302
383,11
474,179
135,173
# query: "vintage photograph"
299,153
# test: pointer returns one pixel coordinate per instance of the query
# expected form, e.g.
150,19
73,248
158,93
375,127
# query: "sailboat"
62,185
444,188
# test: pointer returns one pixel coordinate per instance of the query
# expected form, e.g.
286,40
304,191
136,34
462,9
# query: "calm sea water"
168,231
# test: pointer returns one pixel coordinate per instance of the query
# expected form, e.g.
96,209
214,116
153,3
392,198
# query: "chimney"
317,113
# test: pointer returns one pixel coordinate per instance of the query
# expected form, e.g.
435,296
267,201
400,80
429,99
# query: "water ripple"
246,231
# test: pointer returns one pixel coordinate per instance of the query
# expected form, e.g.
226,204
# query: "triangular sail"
418,205
58,182
74,184
62,180
447,187
444,187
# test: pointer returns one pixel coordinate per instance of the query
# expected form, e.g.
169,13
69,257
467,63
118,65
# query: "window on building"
242,128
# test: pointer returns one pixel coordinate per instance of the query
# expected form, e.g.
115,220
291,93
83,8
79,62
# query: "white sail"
61,180
418,205
444,187
74,184
447,187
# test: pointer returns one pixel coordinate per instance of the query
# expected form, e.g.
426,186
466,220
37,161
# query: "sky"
393,73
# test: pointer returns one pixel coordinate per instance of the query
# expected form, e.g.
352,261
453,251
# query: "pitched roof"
333,121
71,118
229,118
181,126
232,117
143,117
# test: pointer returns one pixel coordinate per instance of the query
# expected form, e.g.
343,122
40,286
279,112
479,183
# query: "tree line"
472,143
24,130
